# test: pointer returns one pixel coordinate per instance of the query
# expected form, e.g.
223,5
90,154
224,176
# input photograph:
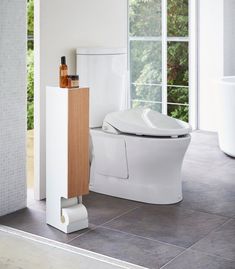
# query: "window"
159,56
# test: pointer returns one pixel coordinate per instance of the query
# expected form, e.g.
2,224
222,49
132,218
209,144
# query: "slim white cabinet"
67,157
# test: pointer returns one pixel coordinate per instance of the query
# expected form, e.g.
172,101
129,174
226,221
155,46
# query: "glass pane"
177,19
146,62
177,63
177,95
152,105
145,18
180,112
146,92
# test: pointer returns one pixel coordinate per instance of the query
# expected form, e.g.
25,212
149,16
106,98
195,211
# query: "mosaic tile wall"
12,105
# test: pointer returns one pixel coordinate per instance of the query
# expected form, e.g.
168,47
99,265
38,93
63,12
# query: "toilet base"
144,169
137,193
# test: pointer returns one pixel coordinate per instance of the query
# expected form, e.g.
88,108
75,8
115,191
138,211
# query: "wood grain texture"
78,142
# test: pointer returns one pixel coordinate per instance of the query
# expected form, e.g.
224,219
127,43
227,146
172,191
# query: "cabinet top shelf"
67,89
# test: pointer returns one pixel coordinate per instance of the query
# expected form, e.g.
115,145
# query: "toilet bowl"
138,155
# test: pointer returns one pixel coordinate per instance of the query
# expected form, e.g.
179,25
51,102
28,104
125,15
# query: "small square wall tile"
12,106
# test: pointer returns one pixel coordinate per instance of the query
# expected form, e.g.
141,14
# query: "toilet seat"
144,121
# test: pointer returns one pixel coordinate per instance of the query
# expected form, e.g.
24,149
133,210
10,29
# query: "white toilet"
136,154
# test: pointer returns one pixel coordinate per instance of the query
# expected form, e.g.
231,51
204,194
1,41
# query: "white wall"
216,56
12,105
61,27
229,37
210,61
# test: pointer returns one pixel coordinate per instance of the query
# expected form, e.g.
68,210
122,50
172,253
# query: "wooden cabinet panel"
78,142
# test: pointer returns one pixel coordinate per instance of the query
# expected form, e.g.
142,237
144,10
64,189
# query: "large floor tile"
220,242
141,251
204,153
224,174
193,170
47,231
208,177
23,218
197,260
215,198
201,138
171,224
207,172
33,220
102,208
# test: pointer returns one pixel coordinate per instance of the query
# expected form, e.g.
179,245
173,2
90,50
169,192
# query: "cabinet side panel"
78,142
56,142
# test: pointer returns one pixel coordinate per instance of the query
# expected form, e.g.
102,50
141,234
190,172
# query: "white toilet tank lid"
101,51
143,121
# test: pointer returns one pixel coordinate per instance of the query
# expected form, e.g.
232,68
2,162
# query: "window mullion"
128,93
164,56
193,67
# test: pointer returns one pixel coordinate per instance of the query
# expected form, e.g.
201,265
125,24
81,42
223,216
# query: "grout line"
201,211
149,238
124,213
211,254
100,225
208,254
191,247
219,227
180,205
173,259
79,235
143,237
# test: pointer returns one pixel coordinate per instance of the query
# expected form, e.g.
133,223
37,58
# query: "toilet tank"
104,71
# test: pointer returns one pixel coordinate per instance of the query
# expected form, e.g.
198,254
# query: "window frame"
191,39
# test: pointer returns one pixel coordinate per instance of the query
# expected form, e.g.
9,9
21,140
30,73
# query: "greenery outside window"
159,55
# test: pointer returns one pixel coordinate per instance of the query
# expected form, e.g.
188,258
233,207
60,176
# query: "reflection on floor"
197,233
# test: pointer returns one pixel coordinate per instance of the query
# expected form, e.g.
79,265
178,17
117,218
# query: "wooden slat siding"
78,142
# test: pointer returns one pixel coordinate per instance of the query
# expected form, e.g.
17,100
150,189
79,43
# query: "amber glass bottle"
63,73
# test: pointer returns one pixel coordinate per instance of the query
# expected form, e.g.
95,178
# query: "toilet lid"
142,121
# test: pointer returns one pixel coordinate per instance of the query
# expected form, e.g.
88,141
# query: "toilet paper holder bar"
70,216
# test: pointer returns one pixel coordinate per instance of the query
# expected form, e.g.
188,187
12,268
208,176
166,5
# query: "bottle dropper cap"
63,60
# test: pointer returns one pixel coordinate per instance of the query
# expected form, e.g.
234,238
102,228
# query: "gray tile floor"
198,233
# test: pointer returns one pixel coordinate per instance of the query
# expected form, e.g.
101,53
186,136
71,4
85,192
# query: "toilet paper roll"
73,214
68,202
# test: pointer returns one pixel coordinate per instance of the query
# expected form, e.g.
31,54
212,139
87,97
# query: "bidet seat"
144,121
